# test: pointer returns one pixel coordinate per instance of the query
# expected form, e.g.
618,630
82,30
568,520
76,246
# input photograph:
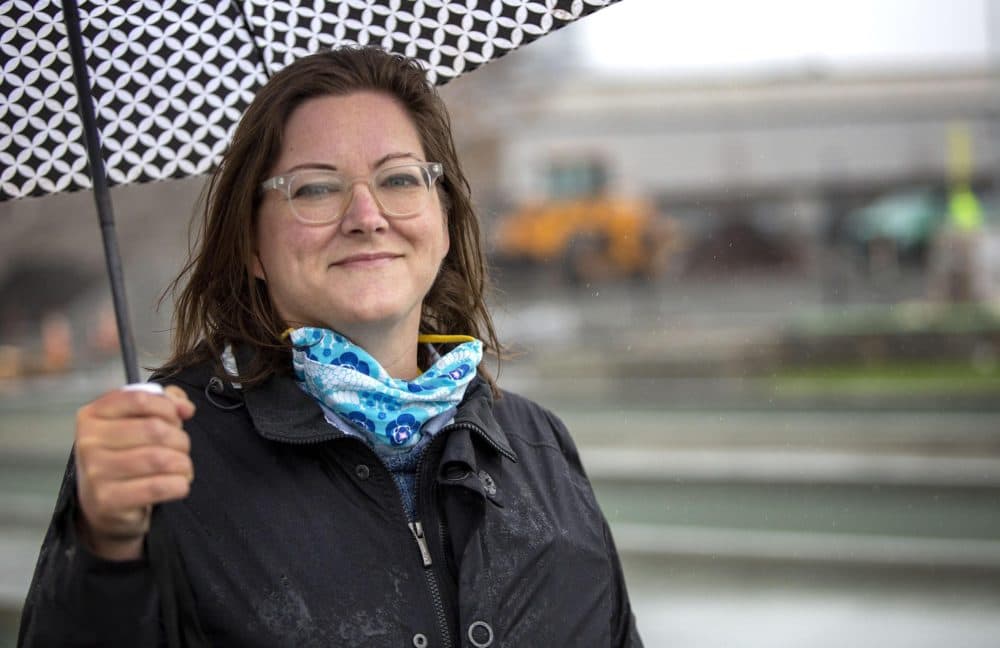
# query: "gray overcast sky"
678,35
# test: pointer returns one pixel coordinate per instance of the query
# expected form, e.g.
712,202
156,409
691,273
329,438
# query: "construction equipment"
592,238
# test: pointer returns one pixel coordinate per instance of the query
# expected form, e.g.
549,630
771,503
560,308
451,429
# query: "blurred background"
749,252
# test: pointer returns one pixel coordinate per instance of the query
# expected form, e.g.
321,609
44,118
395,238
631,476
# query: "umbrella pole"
102,195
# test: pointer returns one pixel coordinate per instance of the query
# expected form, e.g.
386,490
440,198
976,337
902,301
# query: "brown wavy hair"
217,300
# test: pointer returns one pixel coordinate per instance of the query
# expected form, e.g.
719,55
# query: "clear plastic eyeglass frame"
322,196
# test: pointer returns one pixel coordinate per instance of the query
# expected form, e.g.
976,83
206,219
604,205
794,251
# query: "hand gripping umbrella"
170,81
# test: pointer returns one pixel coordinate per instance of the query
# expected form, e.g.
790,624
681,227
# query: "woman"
361,481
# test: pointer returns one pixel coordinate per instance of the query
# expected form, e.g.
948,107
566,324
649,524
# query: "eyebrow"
330,167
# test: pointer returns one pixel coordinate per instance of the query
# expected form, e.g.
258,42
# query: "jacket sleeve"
624,633
78,599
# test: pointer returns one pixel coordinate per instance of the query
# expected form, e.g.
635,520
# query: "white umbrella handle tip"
152,388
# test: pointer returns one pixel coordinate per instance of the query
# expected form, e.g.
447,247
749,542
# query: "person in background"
331,463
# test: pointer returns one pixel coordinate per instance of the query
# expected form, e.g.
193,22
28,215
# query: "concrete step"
787,466
848,550
894,431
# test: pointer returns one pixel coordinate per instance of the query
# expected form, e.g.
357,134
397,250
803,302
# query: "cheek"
280,248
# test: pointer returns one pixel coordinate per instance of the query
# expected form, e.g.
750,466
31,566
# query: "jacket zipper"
418,532
439,610
417,529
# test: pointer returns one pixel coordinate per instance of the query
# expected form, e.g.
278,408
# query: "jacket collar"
476,413
281,411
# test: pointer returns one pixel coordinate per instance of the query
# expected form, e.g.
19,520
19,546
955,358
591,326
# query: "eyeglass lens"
318,196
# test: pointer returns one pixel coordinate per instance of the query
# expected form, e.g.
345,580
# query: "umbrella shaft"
102,194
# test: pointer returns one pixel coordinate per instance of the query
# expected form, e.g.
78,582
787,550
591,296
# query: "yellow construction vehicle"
592,239
585,228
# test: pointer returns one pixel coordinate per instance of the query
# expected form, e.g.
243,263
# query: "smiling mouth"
369,259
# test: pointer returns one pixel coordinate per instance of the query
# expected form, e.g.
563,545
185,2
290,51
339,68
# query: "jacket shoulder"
516,408
526,421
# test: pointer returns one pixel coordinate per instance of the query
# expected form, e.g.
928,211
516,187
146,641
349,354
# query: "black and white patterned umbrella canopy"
171,79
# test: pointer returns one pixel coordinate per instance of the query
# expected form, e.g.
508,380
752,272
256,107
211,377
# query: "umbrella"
170,80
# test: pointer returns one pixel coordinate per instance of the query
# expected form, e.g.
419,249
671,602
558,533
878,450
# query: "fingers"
132,463
127,500
127,433
131,453
116,404
126,419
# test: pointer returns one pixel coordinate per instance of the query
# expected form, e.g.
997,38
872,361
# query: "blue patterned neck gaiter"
347,380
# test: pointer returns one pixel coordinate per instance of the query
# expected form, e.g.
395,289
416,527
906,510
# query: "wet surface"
710,603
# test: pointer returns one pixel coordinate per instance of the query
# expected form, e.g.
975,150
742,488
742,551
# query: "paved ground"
755,607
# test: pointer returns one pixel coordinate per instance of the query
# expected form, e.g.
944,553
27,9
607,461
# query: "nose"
362,212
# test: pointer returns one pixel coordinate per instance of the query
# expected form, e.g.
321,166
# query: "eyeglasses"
319,196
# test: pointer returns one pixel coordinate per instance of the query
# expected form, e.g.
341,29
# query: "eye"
316,188
401,179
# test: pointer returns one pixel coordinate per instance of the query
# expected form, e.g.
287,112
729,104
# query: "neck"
395,350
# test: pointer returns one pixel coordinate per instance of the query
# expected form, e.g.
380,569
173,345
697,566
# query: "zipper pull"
417,529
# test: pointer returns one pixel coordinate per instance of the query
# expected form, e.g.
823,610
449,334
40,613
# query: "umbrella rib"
253,38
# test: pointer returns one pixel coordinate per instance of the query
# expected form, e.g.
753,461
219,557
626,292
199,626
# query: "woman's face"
365,273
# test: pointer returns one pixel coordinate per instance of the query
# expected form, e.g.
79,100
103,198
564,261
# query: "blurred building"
791,150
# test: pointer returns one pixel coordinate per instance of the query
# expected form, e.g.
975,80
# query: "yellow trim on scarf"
425,338
434,338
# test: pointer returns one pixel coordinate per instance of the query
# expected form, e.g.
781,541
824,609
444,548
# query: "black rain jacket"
294,534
